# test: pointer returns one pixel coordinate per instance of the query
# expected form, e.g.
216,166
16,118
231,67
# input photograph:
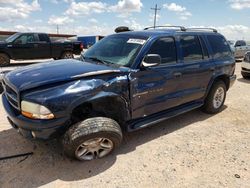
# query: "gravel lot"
192,150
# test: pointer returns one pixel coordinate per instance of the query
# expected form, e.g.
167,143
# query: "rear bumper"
40,129
232,80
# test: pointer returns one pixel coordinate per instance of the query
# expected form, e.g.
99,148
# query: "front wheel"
216,98
4,60
92,138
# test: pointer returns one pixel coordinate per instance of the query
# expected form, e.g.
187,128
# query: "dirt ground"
191,150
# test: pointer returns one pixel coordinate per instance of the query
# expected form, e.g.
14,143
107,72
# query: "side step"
156,118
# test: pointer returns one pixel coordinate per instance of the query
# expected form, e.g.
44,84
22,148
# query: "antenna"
155,9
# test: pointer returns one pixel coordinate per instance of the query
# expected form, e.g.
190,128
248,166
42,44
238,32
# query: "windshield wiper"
98,60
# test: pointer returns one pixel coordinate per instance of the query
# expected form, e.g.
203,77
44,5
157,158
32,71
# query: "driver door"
155,89
23,47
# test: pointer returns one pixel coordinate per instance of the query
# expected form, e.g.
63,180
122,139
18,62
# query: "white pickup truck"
240,48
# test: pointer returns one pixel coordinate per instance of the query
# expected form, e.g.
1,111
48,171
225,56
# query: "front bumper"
40,129
232,80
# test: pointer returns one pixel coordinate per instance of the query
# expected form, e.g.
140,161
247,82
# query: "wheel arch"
6,53
225,78
110,106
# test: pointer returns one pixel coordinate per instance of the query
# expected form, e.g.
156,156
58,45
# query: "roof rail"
174,26
203,28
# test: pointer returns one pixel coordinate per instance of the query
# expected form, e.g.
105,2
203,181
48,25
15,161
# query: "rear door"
155,89
43,46
197,67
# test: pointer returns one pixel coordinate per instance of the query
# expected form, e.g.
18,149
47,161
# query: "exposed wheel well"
110,107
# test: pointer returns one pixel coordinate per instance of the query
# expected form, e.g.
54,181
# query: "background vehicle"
21,46
245,66
126,81
239,47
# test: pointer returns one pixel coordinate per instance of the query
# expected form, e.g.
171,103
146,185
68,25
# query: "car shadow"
49,163
244,80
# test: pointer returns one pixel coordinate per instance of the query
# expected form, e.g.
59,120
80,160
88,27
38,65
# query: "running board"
159,117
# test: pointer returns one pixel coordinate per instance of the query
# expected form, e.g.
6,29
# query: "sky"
101,17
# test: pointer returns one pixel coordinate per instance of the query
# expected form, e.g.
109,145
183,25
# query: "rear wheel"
92,138
216,98
4,59
67,55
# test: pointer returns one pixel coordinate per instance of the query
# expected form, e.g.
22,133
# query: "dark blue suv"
125,82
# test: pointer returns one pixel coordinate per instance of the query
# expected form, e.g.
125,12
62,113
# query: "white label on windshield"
136,41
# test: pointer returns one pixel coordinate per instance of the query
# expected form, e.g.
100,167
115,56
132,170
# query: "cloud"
57,20
93,20
133,24
127,6
86,8
239,4
17,9
181,11
123,7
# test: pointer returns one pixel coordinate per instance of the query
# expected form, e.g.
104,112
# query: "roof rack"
203,28
180,27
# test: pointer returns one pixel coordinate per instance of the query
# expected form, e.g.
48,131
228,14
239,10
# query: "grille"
11,95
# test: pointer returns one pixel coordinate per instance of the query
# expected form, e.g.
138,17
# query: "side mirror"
151,60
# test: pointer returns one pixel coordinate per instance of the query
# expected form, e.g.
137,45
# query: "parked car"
245,66
22,46
239,47
125,82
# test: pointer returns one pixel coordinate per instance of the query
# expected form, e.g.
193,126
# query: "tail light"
81,46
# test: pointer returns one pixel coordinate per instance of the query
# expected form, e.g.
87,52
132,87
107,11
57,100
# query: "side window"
24,39
43,38
219,46
204,48
165,47
191,48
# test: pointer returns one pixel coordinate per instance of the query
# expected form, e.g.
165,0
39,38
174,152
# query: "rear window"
43,38
219,46
191,48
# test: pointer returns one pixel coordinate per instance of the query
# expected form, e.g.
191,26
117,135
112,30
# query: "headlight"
35,111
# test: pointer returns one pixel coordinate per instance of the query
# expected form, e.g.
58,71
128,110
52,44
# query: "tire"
92,138
67,55
1,88
4,60
245,75
213,102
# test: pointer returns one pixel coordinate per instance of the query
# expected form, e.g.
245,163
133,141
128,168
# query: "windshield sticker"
136,41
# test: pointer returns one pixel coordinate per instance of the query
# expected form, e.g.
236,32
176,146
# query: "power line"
155,9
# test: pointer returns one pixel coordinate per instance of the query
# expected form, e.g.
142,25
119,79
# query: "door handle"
178,74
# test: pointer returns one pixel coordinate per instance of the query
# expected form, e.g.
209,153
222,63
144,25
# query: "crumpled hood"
55,71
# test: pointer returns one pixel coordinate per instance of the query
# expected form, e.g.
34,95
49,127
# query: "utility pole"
155,9
57,29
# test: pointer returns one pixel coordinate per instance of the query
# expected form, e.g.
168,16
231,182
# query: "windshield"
116,49
12,37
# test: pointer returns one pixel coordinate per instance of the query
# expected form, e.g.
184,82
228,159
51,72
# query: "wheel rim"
219,97
94,148
68,56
